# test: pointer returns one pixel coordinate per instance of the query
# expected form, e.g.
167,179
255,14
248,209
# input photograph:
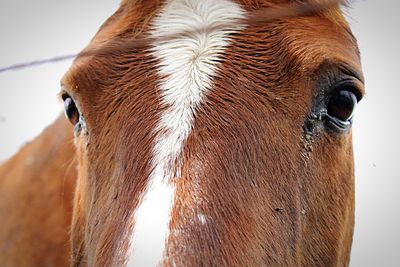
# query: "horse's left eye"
341,107
70,110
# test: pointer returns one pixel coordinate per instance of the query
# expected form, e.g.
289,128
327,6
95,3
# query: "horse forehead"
137,18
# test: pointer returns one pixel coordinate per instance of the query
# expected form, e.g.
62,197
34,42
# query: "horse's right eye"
70,110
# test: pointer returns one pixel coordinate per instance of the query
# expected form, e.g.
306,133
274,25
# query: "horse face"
215,141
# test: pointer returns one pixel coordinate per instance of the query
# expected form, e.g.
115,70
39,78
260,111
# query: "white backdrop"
44,28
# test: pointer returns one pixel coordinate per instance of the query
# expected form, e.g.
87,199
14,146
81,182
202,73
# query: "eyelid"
64,93
353,85
356,77
332,72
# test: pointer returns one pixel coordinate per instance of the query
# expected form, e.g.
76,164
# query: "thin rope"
37,63
259,16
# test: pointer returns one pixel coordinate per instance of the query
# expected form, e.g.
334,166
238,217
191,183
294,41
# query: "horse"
209,133
36,197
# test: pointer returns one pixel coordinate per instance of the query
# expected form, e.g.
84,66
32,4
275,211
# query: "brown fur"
36,191
104,204
272,194
266,205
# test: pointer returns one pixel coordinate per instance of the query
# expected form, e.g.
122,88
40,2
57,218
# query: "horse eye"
70,110
341,106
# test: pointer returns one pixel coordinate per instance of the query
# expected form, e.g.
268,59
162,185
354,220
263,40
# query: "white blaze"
187,64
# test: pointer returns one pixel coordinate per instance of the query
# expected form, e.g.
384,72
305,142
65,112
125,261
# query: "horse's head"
208,134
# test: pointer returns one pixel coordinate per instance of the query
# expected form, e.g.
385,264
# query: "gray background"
44,28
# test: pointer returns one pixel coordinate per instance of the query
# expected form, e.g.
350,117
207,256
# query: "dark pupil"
342,105
71,111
